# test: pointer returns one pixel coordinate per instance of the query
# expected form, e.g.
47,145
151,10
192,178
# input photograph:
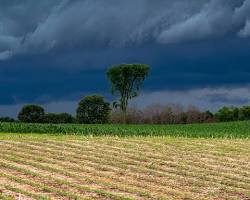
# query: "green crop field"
213,130
208,161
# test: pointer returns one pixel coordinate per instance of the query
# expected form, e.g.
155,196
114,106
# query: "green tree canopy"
93,110
58,118
31,114
126,81
226,114
244,113
6,119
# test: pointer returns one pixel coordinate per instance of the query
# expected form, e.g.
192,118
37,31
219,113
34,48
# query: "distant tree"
64,118
208,116
134,116
193,115
226,114
6,119
184,118
244,113
58,118
93,110
236,112
50,118
154,114
31,114
126,80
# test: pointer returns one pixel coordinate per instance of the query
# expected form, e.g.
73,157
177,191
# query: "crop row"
125,168
213,130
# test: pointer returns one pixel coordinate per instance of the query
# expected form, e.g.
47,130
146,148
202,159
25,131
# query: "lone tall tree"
126,80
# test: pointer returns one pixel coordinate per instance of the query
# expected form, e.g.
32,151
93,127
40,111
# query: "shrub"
133,116
226,114
208,116
31,114
60,118
244,113
65,118
6,119
160,114
93,110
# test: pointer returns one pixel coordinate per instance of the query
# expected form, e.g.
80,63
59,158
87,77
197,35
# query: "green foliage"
227,114
31,114
233,114
61,118
209,130
126,80
6,119
208,115
93,110
244,113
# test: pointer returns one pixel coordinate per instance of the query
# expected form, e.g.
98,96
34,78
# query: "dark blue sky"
54,52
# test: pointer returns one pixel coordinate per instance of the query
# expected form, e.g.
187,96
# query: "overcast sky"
55,52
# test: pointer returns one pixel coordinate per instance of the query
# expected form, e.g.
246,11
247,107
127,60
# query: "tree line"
176,114
126,81
153,114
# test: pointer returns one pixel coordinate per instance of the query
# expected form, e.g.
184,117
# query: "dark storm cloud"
36,26
54,52
48,78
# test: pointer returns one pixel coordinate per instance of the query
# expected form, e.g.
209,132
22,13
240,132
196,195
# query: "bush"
133,116
227,114
206,117
244,113
6,119
31,114
60,118
160,114
93,110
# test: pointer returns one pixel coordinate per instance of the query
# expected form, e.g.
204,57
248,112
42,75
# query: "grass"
213,130
45,166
